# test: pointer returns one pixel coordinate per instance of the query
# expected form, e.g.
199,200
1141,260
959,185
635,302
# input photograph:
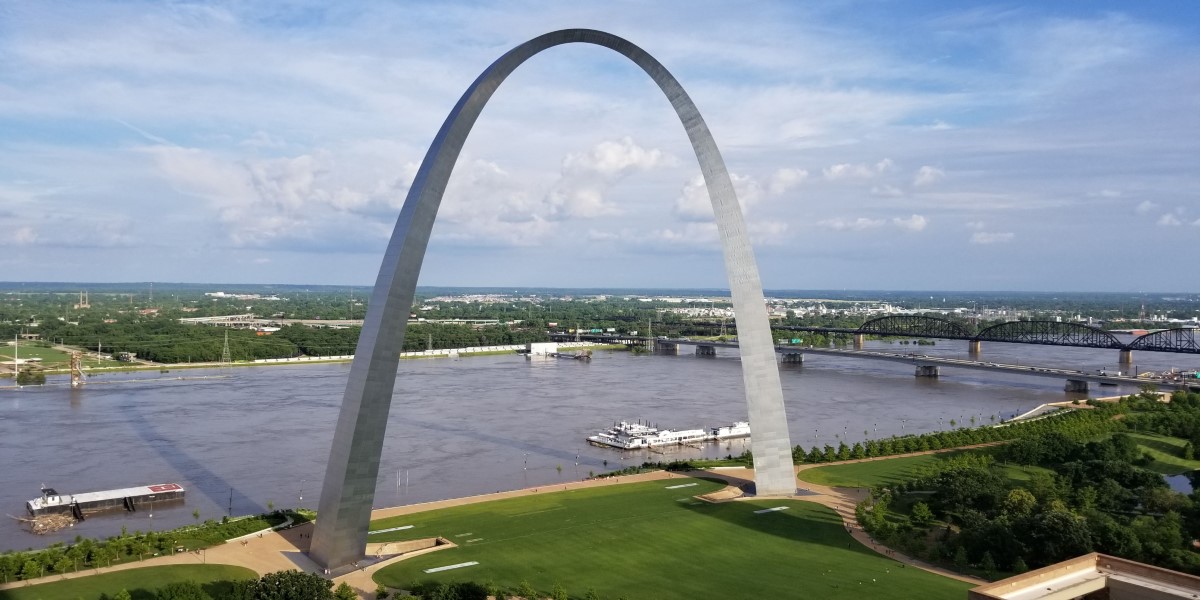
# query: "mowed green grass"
890,471
1166,452
141,583
872,473
644,541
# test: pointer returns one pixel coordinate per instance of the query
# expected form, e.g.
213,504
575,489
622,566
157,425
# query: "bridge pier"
1077,385
974,347
1126,357
666,348
859,341
927,371
791,358
706,350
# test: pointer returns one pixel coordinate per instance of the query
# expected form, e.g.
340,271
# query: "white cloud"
984,238
913,223
693,203
1169,220
586,177
927,175
784,179
1196,223
975,225
23,236
886,191
1145,207
859,224
615,158
848,171
1106,194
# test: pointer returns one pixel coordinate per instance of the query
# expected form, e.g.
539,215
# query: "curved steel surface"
1051,333
1182,339
348,491
915,325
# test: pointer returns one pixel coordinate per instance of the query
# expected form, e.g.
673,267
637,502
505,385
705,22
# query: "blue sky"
903,145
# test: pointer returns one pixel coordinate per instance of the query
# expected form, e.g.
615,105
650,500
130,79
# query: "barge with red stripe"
130,499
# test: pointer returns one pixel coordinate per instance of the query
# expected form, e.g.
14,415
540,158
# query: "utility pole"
225,359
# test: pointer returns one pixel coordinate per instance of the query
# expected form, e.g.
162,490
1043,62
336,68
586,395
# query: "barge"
632,436
76,505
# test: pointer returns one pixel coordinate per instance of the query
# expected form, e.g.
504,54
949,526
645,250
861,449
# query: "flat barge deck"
130,499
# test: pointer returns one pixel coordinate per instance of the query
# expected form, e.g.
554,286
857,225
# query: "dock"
77,505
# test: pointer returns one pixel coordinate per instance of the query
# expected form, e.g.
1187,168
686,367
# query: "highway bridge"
1184,340
925,365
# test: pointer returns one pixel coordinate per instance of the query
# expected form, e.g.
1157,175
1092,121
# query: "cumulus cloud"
587,176
1169,220
859,224
913,223
693,203
985,238
785,179
927,175
886,191
23,236
1146,207
848,171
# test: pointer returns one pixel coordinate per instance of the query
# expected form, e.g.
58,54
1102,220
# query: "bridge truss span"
915,325
1052,333
1169,340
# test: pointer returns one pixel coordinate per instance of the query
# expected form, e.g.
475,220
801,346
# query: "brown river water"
247,436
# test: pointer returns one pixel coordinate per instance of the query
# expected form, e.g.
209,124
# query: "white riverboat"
632,436
738,430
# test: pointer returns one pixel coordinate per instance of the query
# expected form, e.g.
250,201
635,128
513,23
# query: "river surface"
245,437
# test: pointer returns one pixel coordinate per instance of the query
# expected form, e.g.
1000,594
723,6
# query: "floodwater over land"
246,437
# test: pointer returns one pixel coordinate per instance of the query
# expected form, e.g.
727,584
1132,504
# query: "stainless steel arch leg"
349,489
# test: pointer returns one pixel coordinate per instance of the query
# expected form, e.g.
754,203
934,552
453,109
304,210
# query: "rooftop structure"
1092,577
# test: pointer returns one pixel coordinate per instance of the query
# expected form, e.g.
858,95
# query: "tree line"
1088,489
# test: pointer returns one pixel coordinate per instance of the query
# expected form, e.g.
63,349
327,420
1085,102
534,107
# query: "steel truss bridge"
1049,333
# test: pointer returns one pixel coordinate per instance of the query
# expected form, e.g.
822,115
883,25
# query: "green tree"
183,590
525,590
31,570
960,558
345,592
122,595
1019,565
62,565
381,592
293,585
558,592
1019,503
988,564
921,516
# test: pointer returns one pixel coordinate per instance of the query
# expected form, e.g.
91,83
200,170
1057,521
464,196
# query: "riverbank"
473,351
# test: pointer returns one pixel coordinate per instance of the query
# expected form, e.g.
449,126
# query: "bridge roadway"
926,366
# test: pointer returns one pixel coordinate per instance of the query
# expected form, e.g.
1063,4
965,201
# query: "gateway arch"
349,488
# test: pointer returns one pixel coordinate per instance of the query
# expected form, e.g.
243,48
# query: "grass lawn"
1167,453
873,473
643,540
896,470
53,358
141,583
